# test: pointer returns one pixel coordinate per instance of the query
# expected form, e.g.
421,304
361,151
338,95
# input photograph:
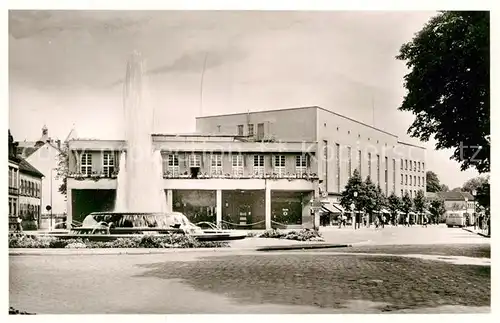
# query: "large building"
210,178
343,144
13,185
248,168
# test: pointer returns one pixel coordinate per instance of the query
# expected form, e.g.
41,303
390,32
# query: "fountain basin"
107,226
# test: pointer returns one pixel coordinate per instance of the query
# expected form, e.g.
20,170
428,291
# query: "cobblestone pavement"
328,281
463,250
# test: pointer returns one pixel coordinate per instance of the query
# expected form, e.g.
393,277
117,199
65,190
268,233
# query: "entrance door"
244,214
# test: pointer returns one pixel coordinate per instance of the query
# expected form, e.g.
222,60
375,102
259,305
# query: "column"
169,201
268,207
69,207
218,220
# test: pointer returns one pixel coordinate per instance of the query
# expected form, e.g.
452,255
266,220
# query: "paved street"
374,277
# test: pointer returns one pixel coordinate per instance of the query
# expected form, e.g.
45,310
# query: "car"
455,220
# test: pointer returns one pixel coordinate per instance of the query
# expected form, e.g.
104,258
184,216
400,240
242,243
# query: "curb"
478,233
114,251
303,247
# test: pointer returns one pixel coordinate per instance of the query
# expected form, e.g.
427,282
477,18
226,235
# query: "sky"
66,69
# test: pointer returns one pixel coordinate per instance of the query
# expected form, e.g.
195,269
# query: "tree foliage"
432,182
419,201
394,203
354,184
483,197
437,209
370,197
406,203
444,188
449,85
474,184
63,168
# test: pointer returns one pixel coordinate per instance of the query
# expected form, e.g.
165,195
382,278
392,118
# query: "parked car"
455,220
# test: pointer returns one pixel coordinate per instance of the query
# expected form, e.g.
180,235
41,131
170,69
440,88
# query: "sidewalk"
482,233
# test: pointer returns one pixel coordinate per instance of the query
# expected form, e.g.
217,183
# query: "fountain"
141,204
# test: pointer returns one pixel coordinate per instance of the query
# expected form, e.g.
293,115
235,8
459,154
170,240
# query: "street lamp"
49,207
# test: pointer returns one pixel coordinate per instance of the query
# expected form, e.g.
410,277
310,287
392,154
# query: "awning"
331,207
384,210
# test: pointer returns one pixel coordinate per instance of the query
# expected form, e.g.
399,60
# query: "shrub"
20,240
302,235
29,225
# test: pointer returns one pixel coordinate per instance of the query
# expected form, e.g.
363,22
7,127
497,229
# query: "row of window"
29,211
171,164
250,130
414,164
13,177
412,193
108,163
30,188
421,180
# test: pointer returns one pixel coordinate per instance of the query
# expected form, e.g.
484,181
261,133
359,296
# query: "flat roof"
300,108
407,144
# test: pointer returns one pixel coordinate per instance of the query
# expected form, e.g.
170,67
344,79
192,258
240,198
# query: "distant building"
14,220
461,202
43,155
30,195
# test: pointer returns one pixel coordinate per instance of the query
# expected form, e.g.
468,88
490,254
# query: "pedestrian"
407,221
383,221
424,221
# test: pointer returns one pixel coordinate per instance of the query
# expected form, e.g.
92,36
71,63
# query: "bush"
20,240
302,235
29,225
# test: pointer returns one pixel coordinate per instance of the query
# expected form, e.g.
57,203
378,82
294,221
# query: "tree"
483,197
474,183
394,204
419,202
432,182
370,198
444,188
457,189
449,85
354,184
437,209
406,204
63,168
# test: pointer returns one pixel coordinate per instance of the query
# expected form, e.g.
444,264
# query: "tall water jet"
139,181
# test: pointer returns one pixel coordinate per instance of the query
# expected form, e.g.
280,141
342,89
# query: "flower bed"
302,235
19,240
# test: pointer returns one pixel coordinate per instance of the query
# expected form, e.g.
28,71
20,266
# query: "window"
406,179
86,164
194,160
402,193
419,166
279,165
216,165
401,179
258,165
406,164
394,176
378,169
423,167
419,181
108,164
240,130
414,166
411,193
410,180
300,164
349,162
386,176
401,164
250,129
370,165
324,163
173,165
359,162
237,163
11,180
415,180
260,131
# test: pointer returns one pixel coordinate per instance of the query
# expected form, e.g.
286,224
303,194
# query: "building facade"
210,178
30,196
43,154
343,144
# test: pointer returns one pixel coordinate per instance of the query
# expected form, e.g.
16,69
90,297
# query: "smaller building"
455,202
30,195
13,185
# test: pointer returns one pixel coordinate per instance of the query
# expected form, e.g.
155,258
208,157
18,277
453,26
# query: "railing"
185,175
